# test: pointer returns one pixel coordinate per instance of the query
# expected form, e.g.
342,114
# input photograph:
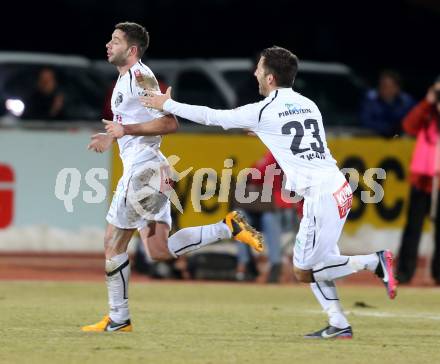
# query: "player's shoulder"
305,101
286,94
300,97
144,78
290,99
141,67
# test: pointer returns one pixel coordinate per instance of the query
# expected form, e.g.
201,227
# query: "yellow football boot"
106,324
243,232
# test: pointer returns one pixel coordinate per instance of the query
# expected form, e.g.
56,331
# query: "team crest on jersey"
119,99
293,107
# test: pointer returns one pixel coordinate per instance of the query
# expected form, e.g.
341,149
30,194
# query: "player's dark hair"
282,64
136,35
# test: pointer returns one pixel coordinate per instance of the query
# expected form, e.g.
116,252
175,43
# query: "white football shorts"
324,216
141,197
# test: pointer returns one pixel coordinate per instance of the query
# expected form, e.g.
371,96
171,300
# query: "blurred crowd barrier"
54,194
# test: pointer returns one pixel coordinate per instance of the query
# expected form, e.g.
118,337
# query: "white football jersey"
289,124
127,109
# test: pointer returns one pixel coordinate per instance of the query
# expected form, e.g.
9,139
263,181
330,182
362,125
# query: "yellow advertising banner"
391,155
205,155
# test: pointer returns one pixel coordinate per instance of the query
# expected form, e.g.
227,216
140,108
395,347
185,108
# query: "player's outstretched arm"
166,124
100,142
243,117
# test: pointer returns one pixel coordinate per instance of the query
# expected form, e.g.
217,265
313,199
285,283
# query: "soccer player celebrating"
141,200
291,126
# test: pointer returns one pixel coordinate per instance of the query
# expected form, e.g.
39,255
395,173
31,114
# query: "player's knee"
110,265
304,276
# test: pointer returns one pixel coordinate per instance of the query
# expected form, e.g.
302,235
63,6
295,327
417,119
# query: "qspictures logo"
146,189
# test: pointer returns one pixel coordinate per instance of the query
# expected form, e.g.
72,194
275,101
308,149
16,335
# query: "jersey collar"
281,89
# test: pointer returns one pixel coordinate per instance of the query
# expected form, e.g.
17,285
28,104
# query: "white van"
83,88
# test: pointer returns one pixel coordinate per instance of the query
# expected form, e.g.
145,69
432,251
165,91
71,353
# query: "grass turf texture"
214,323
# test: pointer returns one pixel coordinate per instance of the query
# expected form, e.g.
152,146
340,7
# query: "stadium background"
401,37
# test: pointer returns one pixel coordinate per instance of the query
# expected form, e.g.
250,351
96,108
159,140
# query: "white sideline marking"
402,315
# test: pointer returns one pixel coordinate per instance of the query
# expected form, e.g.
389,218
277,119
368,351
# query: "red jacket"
267,160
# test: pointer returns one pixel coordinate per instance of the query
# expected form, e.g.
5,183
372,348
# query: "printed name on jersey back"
344,199
312,155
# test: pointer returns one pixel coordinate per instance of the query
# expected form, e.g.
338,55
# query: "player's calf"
155,239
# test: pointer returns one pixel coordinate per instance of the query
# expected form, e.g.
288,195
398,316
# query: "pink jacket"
422,122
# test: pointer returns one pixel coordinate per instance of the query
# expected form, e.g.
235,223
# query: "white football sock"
193,238
338,266
327,296
118,274
361,262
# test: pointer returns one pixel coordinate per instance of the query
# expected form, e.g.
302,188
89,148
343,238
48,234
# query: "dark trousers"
419,206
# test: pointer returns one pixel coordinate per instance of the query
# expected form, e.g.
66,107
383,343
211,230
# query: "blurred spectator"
268,218
46,101
382,110
423,122
162,84
107,112
247,269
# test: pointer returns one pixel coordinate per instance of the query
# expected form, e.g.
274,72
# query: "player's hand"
100,142
113,129
430,96
155,101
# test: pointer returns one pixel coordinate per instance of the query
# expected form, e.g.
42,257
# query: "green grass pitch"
214,323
